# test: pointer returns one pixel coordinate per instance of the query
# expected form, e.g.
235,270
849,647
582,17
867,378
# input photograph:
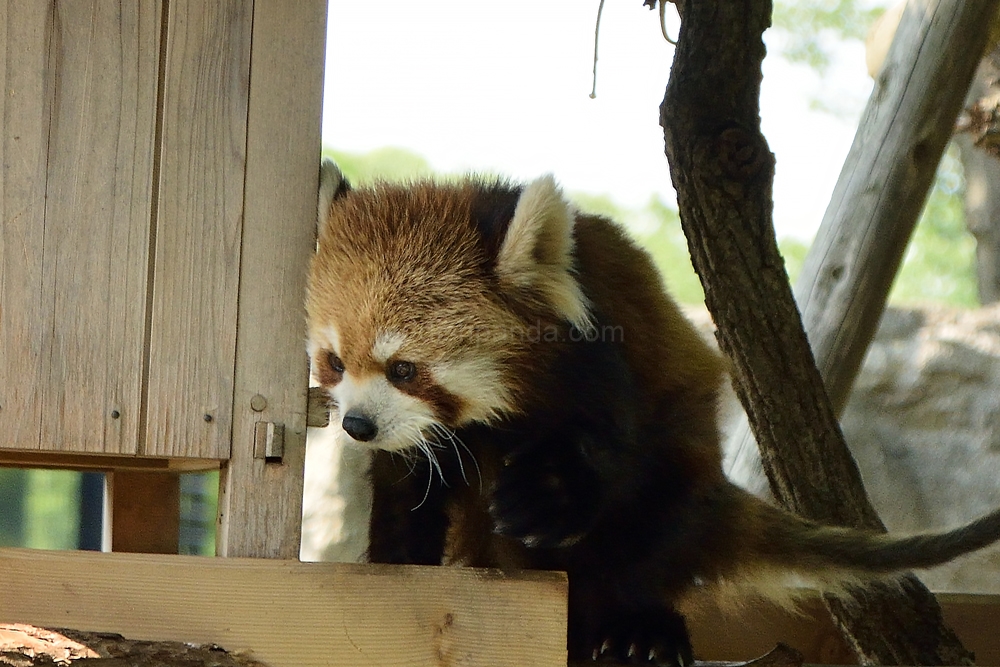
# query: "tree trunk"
876,204
722,170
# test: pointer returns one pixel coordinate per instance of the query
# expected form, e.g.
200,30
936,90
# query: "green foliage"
13,484
199,503
657,228
939,266
794,253
810,24
51,509
387,164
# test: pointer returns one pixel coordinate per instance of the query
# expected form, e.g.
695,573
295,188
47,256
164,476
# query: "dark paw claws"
651,637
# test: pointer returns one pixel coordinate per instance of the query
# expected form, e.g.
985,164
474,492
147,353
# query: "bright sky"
504,87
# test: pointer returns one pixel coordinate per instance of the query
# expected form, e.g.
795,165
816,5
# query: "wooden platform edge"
736,635
101,462
292,614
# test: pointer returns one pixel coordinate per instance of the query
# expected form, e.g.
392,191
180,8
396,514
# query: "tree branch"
722,170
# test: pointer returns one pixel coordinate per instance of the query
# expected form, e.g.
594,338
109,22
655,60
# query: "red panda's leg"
408,521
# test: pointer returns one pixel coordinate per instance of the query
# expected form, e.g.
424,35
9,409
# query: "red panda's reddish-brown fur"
563,408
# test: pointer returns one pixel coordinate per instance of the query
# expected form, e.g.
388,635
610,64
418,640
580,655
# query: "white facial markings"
320,342
324,338
478,383
401,420
333,338
387,343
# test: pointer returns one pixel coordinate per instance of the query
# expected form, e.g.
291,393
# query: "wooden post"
145,511
260,500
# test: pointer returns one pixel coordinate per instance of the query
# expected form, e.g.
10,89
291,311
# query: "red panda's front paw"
544,498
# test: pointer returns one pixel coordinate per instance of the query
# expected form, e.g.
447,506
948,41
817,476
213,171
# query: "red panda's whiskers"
452,437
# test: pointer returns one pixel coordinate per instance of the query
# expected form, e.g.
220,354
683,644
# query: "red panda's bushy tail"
830,557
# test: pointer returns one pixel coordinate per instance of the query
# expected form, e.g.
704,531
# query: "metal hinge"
269,441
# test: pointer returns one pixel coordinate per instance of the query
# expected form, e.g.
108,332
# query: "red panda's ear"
332,185
537,251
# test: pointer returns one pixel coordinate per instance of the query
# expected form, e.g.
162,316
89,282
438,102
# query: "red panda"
535,399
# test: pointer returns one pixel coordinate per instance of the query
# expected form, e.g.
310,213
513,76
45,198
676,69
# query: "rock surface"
924,425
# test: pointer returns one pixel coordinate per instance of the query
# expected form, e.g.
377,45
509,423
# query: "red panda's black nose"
359,427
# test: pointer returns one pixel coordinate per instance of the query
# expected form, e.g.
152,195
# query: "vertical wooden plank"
260,503
23,148
198,232
103,62
78,111
145,511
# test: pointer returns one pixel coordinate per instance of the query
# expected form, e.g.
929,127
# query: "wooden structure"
157,197
307,614
158,165
158,175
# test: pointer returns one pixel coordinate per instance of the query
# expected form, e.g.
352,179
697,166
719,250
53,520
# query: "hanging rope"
663,22
597,32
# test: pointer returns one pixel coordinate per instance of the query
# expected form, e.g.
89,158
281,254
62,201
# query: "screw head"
258,403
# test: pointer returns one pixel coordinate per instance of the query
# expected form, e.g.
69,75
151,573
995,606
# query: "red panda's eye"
401,371
335,363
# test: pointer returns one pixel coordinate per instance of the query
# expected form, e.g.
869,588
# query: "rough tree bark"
722,170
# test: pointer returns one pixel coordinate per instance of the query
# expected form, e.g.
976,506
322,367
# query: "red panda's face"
418,302
391,391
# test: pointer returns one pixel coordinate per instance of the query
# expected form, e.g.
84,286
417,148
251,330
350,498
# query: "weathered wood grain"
78,124
319,408
261,501
301,614
99,462
24,111
103,60
291,614
198,229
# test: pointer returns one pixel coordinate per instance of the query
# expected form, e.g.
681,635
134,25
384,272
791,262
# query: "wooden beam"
260,501
318,414
740,634
723,172
96,462
292,614
198,228
145,511
848,272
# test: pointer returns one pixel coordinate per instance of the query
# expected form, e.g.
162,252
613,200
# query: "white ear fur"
537,251
331,184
